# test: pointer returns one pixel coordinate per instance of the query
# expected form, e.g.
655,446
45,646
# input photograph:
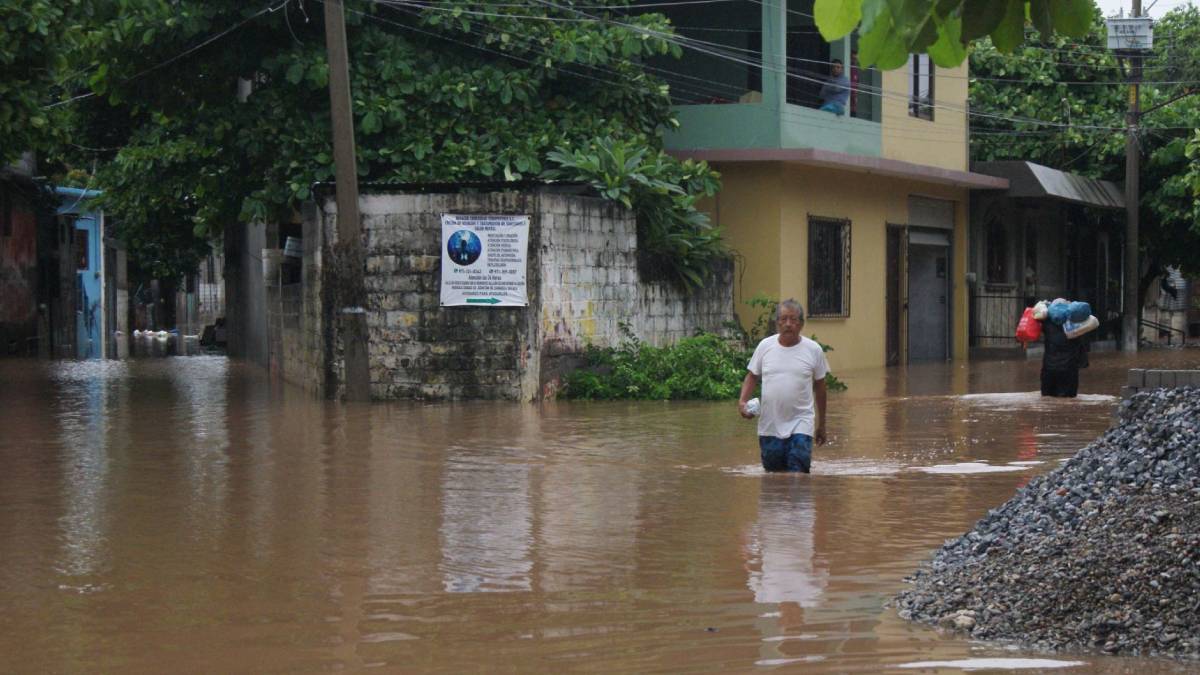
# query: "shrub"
705,366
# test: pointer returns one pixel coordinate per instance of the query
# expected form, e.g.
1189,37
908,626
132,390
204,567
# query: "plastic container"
752,407
1074,330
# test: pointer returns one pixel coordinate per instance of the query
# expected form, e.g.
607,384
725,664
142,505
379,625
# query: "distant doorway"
928,296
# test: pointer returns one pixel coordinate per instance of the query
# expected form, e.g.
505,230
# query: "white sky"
1111,7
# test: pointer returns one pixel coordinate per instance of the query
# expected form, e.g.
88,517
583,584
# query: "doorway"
928,295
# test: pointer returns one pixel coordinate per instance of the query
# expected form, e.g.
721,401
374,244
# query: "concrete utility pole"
1129,327
349,293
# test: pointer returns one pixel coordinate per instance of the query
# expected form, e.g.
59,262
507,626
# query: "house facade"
861,216
1050,234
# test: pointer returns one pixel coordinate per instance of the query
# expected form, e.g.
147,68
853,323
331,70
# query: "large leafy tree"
452,91
892,29
33,55
1058,101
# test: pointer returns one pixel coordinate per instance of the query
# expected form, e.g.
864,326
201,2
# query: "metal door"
928,301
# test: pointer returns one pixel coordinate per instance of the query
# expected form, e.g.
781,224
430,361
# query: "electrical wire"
181,55
713,93
1077,128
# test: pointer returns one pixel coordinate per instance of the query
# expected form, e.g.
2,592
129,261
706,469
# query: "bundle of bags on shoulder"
1075,318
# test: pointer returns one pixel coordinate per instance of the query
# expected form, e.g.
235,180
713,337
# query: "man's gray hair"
790,303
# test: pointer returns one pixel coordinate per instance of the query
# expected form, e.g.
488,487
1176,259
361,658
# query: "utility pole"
1130,37
1130,329
348,292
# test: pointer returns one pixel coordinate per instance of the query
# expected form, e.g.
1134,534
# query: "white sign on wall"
483,260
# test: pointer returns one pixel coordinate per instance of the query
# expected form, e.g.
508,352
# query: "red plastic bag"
1029,329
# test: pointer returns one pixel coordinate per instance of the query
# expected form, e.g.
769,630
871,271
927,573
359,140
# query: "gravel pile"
1103,553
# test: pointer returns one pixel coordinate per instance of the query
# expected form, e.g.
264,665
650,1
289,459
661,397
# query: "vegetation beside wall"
704,367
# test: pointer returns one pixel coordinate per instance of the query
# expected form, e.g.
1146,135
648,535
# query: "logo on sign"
464,247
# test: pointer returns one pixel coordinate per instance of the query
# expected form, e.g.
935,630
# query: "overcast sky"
1111,7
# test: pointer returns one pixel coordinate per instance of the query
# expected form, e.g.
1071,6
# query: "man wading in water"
792,370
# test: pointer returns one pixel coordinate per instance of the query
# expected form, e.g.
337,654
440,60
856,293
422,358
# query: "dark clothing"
786,454
1061,361
1060,382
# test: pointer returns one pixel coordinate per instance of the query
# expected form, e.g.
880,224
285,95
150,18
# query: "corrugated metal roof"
1026,179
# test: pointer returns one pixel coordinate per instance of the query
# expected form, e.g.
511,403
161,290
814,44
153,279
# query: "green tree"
1071,93
892,29
1075,89
33,53
442,93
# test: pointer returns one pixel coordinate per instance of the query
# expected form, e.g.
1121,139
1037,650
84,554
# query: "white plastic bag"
1084,328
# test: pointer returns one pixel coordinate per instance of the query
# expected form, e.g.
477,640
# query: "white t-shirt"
787,375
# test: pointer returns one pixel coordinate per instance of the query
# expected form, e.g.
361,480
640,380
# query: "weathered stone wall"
419,349
592,288
582,281
1140,379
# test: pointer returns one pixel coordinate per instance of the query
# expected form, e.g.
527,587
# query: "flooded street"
186,514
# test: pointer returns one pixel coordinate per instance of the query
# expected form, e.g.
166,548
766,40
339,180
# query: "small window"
828,267
920,87
997,253
81,250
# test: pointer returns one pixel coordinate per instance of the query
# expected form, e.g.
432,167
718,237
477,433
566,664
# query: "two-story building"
861,216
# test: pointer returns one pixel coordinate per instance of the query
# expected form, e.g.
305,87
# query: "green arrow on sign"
483,301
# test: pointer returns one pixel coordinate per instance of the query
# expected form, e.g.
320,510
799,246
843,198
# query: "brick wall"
1140,379
582,279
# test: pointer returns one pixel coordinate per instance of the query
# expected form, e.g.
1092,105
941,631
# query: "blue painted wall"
89,307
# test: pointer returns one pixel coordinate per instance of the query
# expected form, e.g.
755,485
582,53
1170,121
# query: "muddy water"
183,514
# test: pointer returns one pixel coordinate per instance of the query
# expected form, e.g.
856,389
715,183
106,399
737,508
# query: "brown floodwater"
185,514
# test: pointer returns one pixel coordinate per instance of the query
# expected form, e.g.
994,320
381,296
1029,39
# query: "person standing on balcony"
792,370
835,93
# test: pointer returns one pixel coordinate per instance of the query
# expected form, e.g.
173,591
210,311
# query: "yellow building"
860,214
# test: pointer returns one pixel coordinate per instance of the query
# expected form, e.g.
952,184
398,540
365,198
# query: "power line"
715,93
870,90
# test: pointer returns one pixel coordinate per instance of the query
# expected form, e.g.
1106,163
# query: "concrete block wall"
419,349
1140,379
591,283
582,280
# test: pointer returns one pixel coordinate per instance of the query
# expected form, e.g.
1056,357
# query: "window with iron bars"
828,267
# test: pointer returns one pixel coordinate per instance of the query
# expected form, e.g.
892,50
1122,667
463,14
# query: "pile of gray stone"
1102,553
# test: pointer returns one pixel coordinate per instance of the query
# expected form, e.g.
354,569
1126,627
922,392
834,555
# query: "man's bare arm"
748,386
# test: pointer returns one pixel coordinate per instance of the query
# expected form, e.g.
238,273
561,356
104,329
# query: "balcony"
755,75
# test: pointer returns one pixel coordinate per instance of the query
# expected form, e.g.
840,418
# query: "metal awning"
1026,179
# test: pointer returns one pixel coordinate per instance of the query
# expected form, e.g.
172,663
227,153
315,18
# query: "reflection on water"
487,523
779,549
178,513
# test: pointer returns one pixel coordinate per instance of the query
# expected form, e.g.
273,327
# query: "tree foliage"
890,30
1078,87
32,59
441,93
675,240
1074,90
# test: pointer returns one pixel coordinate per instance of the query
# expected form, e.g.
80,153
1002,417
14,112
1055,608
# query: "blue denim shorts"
786,454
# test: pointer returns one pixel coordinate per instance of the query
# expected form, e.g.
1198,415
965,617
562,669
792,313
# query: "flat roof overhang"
893,168
1035,181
